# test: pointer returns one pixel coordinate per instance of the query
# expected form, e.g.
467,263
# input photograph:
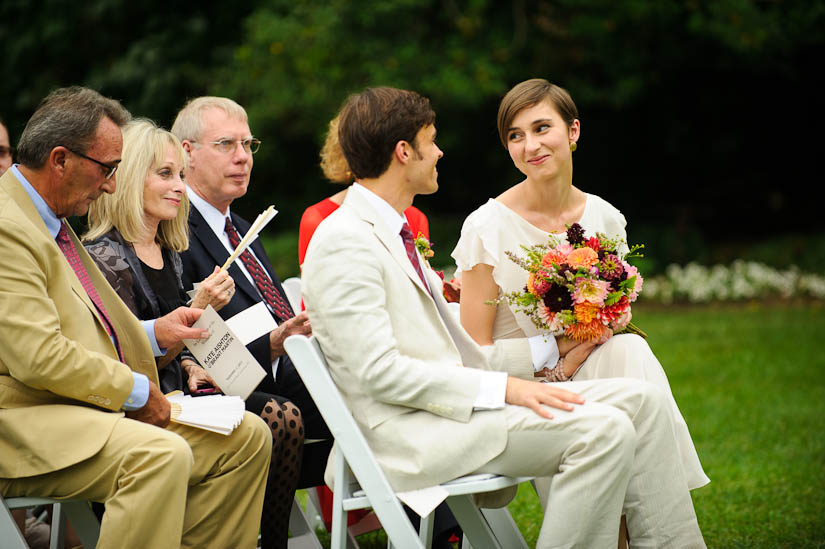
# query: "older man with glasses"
215,133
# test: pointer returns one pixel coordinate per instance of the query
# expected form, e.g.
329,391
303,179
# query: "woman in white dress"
538,125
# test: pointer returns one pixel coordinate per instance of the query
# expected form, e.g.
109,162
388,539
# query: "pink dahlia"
637,286
590,290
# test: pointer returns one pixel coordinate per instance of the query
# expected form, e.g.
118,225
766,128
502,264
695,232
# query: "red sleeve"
418,221
309,222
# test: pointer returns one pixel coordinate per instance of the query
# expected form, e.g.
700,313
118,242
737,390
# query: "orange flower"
586,312
584,332
582,257
553,257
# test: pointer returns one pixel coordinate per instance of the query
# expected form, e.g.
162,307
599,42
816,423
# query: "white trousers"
614,454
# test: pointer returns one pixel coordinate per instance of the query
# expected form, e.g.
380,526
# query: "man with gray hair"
220,146
81,415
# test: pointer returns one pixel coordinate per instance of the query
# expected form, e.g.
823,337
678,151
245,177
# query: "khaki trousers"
616,453
174,487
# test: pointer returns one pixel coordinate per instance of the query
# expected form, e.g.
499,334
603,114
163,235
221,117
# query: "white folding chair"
78,512
360,482
292,289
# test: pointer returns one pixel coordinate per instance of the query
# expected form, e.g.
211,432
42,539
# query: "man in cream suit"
73,359
432,404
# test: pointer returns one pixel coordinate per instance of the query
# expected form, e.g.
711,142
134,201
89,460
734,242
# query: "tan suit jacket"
405,366
61,383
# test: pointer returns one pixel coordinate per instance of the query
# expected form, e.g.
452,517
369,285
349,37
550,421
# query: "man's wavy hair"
374,121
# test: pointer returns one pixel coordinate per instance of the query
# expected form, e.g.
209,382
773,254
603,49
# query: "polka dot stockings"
287,447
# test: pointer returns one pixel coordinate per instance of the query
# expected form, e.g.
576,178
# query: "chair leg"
504,528
303,536
58,532
83,520
472,522
9,532
338,535
425,530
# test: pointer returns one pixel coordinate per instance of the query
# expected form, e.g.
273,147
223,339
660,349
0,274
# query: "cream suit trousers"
174,487
615,453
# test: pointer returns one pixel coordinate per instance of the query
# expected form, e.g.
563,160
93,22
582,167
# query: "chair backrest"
308,359
292,289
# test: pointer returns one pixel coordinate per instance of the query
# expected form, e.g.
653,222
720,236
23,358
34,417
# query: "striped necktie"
262,281
64,242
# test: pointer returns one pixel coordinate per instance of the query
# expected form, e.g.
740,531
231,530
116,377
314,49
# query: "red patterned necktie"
262,280
412,253
64,242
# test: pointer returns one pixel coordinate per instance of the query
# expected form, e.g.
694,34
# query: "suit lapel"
18,193
392,242
138,350
200,229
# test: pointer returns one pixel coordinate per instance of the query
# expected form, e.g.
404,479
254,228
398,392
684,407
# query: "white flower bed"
741,280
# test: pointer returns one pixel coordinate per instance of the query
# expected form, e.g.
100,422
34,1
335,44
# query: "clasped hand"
299,324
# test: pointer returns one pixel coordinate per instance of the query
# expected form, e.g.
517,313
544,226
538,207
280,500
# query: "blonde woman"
135,236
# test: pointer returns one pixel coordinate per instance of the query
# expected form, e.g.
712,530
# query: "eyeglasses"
6,151
227,146
110,169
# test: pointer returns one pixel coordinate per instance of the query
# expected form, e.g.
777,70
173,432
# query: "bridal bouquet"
578,288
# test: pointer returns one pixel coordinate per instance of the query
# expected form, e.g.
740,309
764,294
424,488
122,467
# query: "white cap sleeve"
479,241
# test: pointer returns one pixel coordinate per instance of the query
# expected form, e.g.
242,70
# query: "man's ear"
187,147
57,160
402,152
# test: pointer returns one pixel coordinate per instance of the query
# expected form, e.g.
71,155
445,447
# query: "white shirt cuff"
545,351
491,391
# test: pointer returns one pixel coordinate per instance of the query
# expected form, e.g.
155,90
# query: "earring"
573,146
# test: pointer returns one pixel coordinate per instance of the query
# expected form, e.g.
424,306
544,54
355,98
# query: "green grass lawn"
750,381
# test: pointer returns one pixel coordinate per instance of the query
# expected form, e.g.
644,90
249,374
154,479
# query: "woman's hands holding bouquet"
575,353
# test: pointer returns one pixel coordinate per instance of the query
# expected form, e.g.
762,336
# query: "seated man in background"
414,378
215,134
73,359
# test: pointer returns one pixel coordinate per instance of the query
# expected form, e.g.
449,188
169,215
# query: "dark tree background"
700,119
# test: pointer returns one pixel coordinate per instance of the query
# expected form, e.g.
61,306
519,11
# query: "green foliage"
749,384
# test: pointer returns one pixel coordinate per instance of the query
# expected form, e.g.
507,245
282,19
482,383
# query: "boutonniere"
424,247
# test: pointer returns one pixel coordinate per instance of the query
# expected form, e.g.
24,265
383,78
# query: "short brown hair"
374,121
532,92
67,117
